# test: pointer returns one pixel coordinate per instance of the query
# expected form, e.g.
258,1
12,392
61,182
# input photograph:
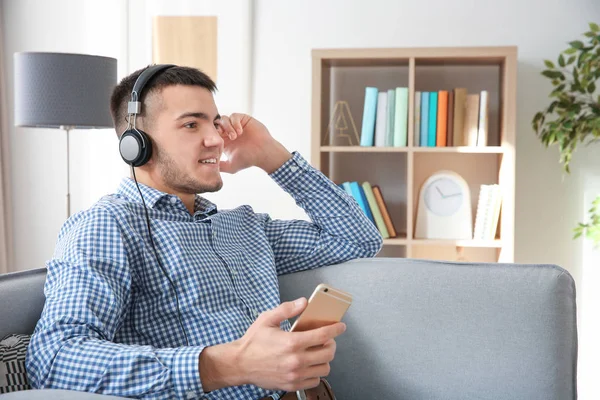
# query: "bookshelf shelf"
363,149
338,94
395,242
458,149
458,243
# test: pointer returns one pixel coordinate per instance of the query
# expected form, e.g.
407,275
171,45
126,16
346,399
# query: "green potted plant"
573,116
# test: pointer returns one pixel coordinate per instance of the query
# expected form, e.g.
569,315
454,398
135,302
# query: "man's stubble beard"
177,180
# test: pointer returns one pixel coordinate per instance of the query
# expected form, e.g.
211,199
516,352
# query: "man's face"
186,137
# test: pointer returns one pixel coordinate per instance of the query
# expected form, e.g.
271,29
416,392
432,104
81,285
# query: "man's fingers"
284,311
319,336
228,128
321,354
236,123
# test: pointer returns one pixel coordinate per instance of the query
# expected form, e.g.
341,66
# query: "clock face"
443,196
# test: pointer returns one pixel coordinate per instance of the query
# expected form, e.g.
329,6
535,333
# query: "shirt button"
190,395
173,200
293,168
214,234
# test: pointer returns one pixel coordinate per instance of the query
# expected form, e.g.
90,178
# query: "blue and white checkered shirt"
110,322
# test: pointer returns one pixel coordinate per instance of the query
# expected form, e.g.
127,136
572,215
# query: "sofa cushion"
13,376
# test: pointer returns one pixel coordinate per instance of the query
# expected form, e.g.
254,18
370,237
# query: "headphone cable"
162,268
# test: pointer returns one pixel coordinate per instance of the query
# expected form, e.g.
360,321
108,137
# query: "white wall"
548,203
38,156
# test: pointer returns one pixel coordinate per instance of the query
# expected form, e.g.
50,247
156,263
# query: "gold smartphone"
326,306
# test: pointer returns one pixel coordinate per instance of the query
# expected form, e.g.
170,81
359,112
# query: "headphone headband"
134,106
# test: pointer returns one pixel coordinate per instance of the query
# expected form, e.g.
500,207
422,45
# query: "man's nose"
213,139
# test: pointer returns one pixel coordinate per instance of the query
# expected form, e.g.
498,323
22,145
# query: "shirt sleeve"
338,231
88,295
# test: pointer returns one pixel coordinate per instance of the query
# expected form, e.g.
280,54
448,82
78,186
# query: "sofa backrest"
441,330
21,301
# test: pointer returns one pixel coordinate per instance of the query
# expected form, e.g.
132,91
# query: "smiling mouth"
208,161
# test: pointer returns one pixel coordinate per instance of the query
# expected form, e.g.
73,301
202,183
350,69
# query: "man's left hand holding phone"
271,358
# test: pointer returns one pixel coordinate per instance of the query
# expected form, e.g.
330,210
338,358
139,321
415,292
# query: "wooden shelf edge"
496,243
374,149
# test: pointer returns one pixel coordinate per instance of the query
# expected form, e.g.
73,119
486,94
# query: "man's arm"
88,295
338,231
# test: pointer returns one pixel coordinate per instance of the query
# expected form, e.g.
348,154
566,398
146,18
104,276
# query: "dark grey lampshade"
54,89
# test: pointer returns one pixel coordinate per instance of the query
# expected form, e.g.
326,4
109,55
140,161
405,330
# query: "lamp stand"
67,129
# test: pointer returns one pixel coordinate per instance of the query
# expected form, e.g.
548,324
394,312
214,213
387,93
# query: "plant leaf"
591,88
571,59
549,64
561,60
594,27
553,74
570,51
576,44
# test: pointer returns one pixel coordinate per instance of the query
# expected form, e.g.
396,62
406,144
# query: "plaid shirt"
110,323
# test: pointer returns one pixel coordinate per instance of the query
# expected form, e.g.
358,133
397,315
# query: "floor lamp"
64,91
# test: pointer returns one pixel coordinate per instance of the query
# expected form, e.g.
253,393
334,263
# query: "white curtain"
6,248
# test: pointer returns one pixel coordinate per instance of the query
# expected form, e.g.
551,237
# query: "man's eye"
191,125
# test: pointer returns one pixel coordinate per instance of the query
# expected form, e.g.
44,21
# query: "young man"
154,293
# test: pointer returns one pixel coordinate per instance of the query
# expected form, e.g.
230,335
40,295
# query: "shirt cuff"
186,376
291,170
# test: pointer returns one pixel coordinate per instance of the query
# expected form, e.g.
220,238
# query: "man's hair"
173,76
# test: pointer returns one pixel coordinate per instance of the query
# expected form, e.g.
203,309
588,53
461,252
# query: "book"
401,119
471,120
450,140
433,105
369,112
460,106
359,195
381,119
424,119
384,211
366,186
417,121
442,119
391,117
488,212
482,126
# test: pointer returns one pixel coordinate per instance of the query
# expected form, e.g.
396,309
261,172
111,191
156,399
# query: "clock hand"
440,192
454,194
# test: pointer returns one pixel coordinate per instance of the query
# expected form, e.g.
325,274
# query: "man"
153,293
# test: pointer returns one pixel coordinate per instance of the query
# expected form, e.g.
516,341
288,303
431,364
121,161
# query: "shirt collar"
152,196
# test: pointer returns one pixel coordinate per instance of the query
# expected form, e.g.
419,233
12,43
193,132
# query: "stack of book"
488,212
385,118
451,118
370,199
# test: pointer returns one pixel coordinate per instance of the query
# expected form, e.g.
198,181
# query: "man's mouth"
208,161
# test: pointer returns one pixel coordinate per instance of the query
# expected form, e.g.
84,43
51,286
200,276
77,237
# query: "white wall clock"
444,208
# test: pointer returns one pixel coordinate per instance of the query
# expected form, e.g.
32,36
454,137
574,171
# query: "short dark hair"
173,76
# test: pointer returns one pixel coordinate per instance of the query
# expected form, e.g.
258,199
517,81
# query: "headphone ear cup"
135,147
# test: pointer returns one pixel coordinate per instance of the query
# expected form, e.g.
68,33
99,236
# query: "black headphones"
135,145
136,149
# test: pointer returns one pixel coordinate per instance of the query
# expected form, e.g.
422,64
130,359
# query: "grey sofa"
416,330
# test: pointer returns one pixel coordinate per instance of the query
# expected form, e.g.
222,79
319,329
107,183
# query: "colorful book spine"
433,104
381,122
391,115
366,186
369,113
417,122
424,119
442,119
401,123
384,211
359,195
